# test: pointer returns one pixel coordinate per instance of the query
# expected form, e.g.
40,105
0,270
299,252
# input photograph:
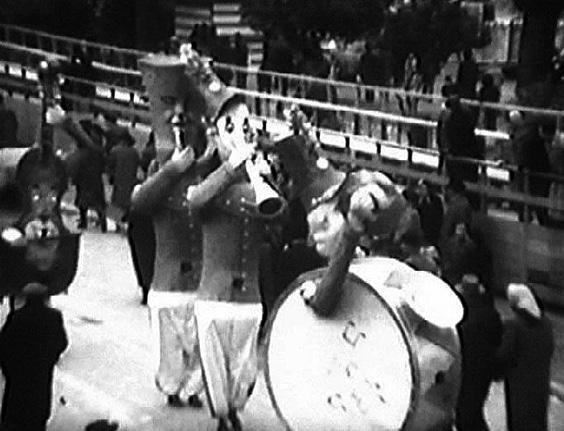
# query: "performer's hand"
364,206
13,237
55,115
240,152
307,291
181,160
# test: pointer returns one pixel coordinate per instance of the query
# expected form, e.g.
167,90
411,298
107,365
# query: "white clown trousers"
173,328
227,334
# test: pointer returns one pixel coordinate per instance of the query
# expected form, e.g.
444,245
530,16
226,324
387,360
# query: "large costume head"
328,215
39,247
185,89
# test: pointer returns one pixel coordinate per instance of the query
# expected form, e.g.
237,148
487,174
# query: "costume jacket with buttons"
178,255
233,230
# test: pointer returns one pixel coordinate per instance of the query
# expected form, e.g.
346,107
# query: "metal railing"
496,182
119,67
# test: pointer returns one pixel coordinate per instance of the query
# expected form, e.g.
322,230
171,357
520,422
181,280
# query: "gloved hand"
181,160
55,115
364,206
240,152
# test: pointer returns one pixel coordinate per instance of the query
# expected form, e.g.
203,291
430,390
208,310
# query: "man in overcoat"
31,342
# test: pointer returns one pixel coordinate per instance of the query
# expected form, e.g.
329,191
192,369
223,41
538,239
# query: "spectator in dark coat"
8,126
467,76
524,356
112,130
459,256
240,58
31,341
530,153
148,154
458,209
431,211
280,59
489,93
142,239
90,168
456,138
123,163
370,70
480,336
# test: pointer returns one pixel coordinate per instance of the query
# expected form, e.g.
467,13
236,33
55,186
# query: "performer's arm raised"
149,195
217,181
366,203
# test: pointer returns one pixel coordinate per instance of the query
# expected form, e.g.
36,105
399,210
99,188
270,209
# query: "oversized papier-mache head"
184,83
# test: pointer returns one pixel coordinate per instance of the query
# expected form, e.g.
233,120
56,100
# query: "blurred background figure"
467,76
456,138
524,358
123,163
480,336
88,176
31,342
431,211
8,126
489,92
530,154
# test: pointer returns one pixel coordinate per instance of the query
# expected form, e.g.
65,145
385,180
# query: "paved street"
107,371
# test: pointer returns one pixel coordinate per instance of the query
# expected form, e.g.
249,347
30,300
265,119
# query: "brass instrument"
268,200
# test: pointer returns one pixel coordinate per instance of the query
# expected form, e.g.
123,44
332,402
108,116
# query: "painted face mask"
232,128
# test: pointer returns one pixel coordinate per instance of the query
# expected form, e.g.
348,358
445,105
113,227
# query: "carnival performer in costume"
375,346
38,247
179,140
233,203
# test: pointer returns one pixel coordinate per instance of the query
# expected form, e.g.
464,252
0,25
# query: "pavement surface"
108,370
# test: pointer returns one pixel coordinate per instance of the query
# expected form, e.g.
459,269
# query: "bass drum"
374,364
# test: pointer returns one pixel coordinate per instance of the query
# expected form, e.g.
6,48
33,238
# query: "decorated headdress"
299,159
390,202
187,79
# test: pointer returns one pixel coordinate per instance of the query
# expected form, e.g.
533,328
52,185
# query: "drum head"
354,370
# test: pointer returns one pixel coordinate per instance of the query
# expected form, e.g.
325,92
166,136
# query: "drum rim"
350,277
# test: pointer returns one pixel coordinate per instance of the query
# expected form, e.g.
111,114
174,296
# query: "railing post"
356,124
356,117
526,190
348,151
483,182
409,156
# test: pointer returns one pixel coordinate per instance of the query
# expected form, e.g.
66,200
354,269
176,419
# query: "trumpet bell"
271,206
269,203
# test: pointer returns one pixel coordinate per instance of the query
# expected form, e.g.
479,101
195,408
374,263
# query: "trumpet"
268,200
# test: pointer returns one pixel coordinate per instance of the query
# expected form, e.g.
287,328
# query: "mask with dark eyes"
43,202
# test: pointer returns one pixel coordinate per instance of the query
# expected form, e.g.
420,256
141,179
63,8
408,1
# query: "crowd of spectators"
105,158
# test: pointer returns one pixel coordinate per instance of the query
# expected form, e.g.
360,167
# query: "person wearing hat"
524,358
88,166
364,203
123,163
31,342
178,243
229,312
38,246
